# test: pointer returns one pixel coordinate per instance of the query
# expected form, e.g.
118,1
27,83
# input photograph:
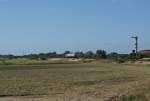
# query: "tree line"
89,54
99,54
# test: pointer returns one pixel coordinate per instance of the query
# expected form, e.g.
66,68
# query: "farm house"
144,52
70,55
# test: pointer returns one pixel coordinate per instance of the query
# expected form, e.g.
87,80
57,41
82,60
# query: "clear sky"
29,26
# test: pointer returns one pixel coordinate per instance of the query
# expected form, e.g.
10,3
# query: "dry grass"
26,61
99,81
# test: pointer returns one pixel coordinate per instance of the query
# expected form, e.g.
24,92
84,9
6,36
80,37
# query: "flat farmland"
99,81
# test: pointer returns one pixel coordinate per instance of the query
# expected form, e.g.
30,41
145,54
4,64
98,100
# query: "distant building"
144,52
70,55
145,55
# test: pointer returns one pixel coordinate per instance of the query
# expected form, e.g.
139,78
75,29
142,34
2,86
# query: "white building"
69,55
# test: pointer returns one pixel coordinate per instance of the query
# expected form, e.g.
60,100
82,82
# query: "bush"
121,60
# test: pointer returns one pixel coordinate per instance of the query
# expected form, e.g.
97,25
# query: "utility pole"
136,43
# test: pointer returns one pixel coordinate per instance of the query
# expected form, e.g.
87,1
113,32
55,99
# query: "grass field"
27,61
97,81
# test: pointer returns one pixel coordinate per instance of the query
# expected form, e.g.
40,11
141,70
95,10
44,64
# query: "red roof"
145,52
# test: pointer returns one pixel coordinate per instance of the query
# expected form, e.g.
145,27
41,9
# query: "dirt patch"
107,81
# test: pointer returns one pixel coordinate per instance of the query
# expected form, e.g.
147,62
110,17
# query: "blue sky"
32,26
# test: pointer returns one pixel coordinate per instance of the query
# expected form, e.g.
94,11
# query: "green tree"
67,52
52,55
79,54
101,54
133,55
113,56
89,54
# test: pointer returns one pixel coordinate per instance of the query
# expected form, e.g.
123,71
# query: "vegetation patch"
101,79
